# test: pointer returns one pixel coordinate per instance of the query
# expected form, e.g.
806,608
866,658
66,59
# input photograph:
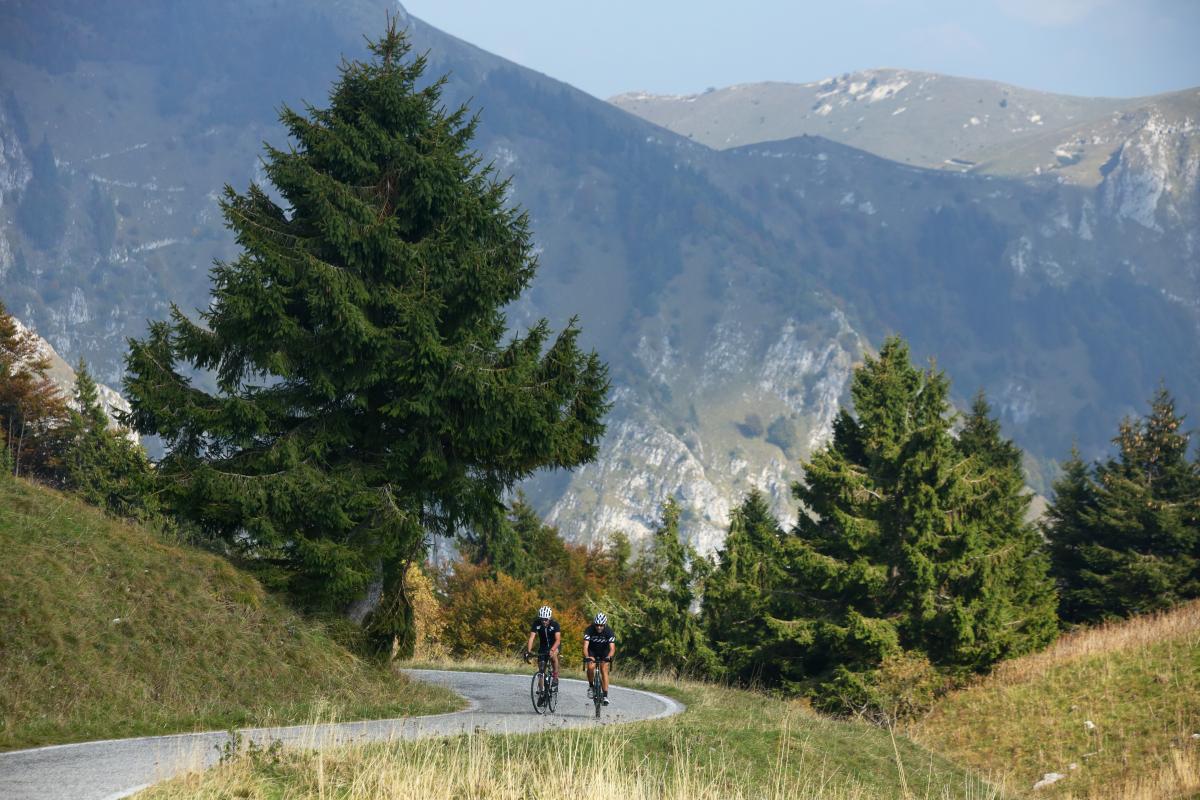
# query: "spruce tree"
910,540
369,392
101,464
1066,527
1127,541
745,589
659,628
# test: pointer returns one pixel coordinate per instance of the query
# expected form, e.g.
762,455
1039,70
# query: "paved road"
119,767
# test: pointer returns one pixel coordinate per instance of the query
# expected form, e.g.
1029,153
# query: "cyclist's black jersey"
545,629
598,638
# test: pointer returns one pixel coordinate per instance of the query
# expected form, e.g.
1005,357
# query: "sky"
1115,48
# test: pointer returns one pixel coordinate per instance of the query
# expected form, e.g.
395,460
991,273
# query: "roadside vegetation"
108,630
1114,710
729,743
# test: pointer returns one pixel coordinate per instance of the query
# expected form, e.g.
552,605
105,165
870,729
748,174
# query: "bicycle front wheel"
535,693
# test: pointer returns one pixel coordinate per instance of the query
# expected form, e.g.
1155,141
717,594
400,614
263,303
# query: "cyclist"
549,635
599,645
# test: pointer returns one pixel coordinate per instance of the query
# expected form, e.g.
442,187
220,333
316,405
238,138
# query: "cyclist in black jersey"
549,637
599,646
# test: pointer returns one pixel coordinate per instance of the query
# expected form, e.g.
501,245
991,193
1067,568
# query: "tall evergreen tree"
1066,527
658,626
745,590
517,543
1021,601
1128,540
910,540
101,464
366,395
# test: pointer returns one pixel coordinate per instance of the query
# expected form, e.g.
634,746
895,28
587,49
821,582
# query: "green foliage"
1125,535
101,464
656,625
42,212
365,397
912,541
904,686
745,589
518,544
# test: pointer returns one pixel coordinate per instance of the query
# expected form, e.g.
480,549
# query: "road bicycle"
542,691
597,683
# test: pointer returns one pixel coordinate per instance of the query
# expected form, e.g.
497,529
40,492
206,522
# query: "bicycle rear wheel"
551,699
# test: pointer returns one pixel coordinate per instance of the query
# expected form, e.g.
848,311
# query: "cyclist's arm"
529,643
612,650
557,641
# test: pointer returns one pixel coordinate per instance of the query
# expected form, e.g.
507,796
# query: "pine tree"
366,396
1012,572
103,466
1128,540
911,540
659,628
517,543
1067,530
744,590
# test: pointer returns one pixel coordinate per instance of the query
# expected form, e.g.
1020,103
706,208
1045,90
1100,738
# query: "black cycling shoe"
604,700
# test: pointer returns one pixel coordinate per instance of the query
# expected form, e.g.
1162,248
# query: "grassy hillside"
106,630
1121,703
728,744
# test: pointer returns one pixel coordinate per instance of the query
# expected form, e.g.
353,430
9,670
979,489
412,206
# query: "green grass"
727,744
106,630
1136,682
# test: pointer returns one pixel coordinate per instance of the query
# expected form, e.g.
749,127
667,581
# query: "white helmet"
602,618
545,612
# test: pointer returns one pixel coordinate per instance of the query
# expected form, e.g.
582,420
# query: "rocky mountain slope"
732,290
62,375
922,119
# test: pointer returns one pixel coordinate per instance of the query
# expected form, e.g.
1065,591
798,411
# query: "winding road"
120,767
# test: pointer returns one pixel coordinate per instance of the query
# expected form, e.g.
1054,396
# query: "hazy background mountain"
731,289
923,119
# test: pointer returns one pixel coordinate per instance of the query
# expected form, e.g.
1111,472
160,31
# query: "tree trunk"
390,626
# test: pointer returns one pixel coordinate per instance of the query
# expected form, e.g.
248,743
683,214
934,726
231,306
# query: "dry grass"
1120,702
1119,636
729,744
106,630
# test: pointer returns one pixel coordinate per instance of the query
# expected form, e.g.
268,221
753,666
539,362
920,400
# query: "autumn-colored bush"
487,616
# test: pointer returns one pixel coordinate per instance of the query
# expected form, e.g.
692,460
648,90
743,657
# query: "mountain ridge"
717,283
901,105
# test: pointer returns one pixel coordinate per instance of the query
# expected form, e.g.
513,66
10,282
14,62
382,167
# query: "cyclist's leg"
554,665
604,676
591,669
